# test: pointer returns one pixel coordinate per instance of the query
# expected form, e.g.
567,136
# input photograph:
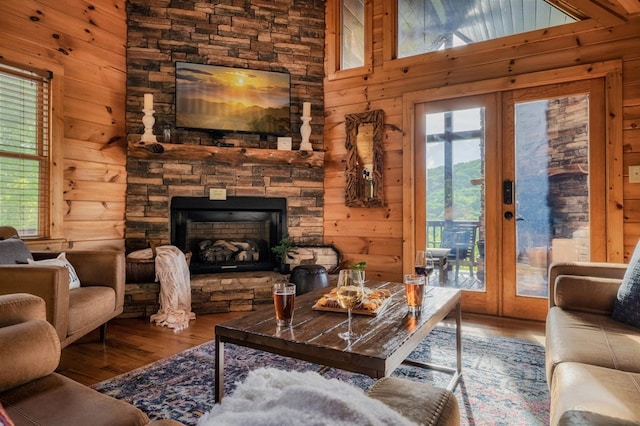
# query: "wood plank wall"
375,235
87,41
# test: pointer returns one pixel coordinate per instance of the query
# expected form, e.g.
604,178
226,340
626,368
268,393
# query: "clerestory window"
430,25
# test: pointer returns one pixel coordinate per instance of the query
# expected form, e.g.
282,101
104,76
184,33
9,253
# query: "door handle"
507,192
508,215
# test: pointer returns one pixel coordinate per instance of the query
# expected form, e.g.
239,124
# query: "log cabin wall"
375,235
278,35
85,42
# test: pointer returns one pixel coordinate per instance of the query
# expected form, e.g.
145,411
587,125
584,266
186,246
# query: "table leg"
455,372
458,373
219,371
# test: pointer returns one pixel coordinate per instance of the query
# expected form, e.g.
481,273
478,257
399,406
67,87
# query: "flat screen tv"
230,99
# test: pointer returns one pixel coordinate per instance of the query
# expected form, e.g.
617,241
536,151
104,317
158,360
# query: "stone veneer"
269,35
274,35
210,293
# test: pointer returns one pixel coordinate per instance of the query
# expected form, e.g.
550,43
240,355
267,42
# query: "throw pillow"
61,260
626,308
14,250
4,417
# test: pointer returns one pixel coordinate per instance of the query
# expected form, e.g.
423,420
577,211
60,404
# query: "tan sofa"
31,392
592,361
76,312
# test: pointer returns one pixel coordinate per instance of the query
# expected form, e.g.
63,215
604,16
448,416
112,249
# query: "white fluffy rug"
280,398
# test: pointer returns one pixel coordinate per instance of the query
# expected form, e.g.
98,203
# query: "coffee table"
385,341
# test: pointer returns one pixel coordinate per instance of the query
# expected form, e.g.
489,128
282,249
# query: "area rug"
503,381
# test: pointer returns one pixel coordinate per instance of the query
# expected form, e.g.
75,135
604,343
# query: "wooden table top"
385,340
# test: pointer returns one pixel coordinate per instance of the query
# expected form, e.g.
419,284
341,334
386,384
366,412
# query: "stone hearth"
210,293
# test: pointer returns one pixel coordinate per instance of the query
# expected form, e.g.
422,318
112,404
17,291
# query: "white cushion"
61,260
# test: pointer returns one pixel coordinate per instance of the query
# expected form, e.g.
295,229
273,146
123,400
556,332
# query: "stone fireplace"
231,235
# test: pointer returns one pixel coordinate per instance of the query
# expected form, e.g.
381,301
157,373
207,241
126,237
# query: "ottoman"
419,402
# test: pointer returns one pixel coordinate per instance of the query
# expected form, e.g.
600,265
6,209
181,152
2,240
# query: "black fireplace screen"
235,234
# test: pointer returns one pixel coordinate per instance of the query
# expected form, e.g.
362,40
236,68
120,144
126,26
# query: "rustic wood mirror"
364,159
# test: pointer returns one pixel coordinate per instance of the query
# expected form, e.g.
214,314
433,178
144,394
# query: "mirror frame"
352,123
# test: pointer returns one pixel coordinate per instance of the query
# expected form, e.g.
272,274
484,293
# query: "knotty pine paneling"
88,40
559,47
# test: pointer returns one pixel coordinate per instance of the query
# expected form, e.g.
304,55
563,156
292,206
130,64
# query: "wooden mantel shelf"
224,155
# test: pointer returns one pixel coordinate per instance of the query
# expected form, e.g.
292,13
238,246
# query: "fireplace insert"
231,235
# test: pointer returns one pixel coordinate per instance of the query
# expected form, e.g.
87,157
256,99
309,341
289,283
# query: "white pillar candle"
306,109
148,101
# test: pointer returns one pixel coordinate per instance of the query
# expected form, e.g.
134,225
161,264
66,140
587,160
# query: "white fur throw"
281,398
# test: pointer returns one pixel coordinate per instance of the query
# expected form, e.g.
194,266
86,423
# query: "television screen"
232,99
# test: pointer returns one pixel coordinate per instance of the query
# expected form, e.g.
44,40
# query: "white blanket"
175,288
271,397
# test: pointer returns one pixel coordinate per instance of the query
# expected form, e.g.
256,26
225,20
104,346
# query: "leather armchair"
76,312
31,392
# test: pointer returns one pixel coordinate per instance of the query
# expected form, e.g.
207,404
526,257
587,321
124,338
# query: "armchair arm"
586,294
51,283
20,307
607,271
96,268
30,350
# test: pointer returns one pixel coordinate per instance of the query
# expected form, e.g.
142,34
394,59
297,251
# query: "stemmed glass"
349,292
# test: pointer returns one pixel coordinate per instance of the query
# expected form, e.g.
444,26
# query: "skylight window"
431,25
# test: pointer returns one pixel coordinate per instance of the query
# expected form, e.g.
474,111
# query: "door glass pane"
455,196
551,188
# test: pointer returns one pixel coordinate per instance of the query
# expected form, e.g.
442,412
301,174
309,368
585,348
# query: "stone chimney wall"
274,35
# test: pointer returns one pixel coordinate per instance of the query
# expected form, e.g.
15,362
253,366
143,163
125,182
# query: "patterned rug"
503,381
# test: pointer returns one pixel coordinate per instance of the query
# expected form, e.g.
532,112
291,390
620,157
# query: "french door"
522,170
553,168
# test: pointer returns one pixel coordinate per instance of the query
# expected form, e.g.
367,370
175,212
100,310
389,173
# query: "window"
352,34
349,46
25,150
430,25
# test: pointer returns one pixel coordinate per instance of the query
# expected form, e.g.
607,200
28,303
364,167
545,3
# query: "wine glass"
349,293
424,264
420,264
429,265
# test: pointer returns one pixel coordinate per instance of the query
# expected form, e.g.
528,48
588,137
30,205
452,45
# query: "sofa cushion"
626,308
86,304
61,260
14,250
586,394
595,339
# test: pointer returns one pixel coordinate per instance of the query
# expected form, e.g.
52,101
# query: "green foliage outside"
466,197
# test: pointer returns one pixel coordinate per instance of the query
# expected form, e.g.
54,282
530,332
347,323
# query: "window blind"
24,150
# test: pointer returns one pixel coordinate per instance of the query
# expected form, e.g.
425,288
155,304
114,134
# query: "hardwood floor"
133,343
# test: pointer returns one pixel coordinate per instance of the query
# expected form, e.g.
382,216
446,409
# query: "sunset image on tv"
232,99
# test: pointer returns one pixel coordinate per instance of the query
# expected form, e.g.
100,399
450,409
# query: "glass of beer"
414,288
284,297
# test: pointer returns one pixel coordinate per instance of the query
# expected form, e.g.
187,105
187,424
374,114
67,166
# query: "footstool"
419,402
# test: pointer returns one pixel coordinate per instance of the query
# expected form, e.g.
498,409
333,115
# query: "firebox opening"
229,235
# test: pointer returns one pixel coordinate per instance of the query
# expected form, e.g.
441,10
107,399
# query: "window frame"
334,41
390,61
53,229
